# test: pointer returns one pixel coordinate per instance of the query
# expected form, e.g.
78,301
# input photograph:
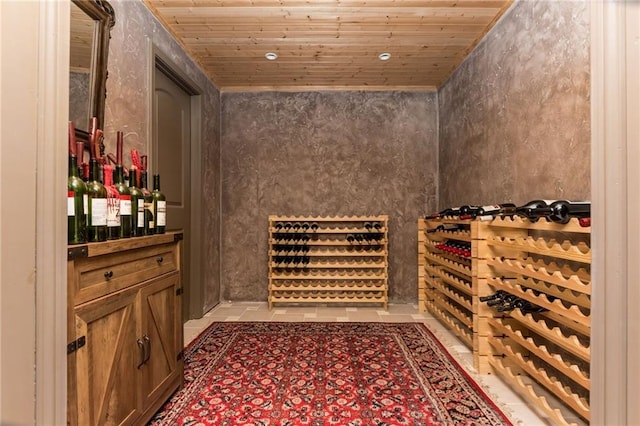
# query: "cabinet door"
106,368
162,332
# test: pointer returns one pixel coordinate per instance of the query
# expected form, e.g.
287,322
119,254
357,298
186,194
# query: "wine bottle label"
71,203
98,211
140,214
85,203
125,205
162,213
491,208
113,212
149,208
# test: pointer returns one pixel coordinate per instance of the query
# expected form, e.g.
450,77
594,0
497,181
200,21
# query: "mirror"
91,23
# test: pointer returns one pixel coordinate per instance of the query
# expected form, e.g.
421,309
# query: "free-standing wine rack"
548,352
328,259
445,279
545,356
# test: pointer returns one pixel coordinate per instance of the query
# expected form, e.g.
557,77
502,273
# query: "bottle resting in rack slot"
76,195
445,227
451,211
562,211
495,296
159,206
531,210
490,211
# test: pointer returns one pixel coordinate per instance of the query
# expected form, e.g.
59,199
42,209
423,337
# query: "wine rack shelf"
328,259
544,352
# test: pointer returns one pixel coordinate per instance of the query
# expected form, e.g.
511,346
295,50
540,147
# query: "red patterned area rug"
278,373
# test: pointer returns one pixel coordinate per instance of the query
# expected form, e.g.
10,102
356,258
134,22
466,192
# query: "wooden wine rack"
328,260
544,356
449,285
551,348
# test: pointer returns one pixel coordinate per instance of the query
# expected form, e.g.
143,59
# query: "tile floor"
512,404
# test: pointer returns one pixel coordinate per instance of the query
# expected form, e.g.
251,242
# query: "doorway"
175,155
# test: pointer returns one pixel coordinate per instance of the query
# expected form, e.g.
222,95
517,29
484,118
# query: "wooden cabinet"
328,259
124,329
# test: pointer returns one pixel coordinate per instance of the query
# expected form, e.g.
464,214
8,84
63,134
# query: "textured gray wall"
128,106
514,117
324,153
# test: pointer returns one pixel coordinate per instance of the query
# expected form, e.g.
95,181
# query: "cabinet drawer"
97,276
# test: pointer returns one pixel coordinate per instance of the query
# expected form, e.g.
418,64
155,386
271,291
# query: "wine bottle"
445,227
450,211
113,204
159,206
497,209
81,171
97,197
585,222
499,294
137,204
533,210
76,195
124,195
149,221
562,211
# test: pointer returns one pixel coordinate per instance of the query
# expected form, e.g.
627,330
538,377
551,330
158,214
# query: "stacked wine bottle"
327,259
503,301
558,211
105,202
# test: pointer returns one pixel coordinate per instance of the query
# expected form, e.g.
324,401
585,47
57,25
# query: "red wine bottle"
76,195
124,194
159,206
97,197
149,221
137,204
113,204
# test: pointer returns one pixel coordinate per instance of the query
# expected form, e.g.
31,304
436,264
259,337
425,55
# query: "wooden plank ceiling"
328,44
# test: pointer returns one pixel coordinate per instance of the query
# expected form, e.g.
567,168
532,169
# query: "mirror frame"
104,15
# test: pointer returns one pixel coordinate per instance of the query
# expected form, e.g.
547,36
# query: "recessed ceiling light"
384,56
271,56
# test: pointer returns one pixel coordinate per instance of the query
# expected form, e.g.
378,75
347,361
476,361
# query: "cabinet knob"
108,274
160,259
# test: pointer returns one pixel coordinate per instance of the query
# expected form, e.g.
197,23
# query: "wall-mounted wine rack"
328,260
544,354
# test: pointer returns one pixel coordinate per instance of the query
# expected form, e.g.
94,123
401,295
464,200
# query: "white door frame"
615,185
615,189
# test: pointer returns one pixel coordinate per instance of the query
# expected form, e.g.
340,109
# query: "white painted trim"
633,197
51,226
615,118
